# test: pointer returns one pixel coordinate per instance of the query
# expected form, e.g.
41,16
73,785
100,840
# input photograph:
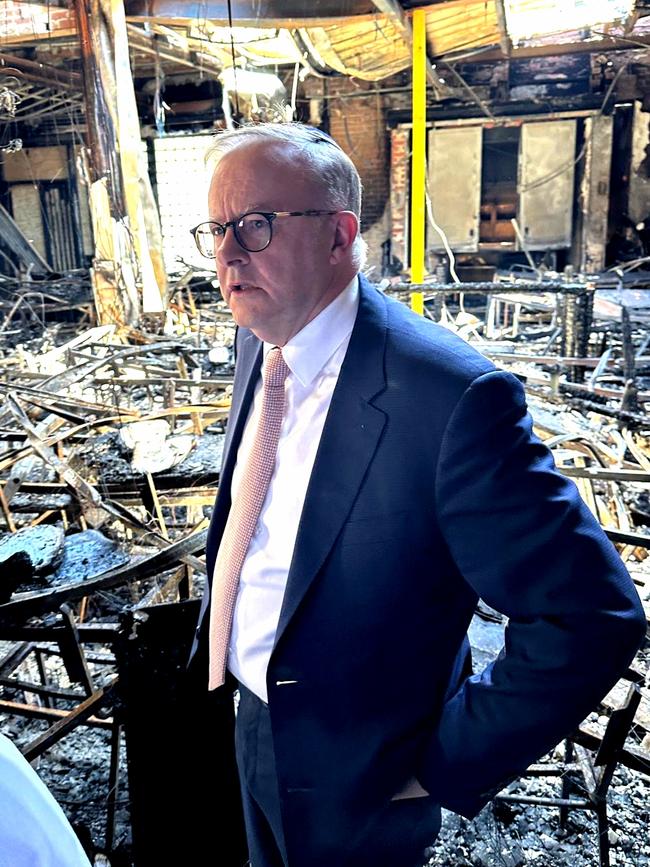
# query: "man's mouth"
239,288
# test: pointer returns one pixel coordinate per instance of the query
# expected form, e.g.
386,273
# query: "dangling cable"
159,104
232,49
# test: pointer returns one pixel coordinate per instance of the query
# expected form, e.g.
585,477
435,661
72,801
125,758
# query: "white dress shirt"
314,357
33,829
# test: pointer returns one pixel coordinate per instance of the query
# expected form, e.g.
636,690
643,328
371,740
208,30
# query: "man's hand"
411,790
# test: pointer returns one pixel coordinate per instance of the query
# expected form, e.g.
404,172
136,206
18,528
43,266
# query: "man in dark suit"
405,483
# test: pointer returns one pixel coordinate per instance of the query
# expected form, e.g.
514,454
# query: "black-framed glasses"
253,231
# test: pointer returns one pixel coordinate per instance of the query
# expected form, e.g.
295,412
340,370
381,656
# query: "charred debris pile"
110,447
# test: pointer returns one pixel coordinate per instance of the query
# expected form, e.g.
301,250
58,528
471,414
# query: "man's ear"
346,230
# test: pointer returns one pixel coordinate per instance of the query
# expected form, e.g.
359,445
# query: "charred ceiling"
178,61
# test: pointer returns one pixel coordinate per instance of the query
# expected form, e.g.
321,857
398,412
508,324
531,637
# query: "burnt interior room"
504,153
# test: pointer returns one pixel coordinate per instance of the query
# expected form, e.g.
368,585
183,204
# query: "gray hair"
323,159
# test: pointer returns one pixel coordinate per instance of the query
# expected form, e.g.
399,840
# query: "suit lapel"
349,440
247,371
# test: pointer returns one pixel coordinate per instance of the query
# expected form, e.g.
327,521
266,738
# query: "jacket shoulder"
426,349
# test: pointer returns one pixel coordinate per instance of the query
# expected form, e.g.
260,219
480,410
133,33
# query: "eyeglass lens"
252,231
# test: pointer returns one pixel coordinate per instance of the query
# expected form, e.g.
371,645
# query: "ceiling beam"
160,47
396,14
283,13
63,38
33,70
504,36
613,43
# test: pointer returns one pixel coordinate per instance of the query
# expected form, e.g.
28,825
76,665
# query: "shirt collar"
307,353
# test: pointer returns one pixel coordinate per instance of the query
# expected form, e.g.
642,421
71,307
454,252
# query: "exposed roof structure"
365,40
369,39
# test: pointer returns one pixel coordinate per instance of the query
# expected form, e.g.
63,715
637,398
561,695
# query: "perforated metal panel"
546,172
182,180
26,208
455,187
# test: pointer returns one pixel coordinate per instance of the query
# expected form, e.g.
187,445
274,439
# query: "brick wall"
357,121
400,163
23,19
358,124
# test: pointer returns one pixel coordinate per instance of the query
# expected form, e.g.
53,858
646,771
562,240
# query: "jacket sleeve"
527,544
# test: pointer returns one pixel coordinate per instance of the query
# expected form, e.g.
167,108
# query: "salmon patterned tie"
244,514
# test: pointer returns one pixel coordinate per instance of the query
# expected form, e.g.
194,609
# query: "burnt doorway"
499,195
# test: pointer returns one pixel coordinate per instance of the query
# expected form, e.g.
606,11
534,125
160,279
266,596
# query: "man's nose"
228,250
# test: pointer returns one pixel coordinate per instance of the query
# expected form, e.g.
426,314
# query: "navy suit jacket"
428,490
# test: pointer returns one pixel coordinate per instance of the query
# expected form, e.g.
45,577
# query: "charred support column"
183,783
101,133
638,206
595,192
112,301
128,276
576,315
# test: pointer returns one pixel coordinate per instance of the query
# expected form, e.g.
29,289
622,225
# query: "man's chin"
245,319
240,312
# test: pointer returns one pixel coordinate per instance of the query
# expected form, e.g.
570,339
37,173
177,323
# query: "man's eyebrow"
260,209
249,209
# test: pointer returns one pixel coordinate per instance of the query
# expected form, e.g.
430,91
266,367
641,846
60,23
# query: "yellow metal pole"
417,302
418,145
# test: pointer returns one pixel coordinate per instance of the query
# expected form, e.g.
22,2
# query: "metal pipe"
418,146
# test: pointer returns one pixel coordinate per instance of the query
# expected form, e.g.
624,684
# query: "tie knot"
275,369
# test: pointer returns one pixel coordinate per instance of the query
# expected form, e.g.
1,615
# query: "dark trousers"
397,837
259,785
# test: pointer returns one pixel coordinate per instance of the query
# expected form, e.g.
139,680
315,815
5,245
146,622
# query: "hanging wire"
232,50
158,101
439,230
10,99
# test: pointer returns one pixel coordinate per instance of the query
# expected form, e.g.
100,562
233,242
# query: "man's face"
277,291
